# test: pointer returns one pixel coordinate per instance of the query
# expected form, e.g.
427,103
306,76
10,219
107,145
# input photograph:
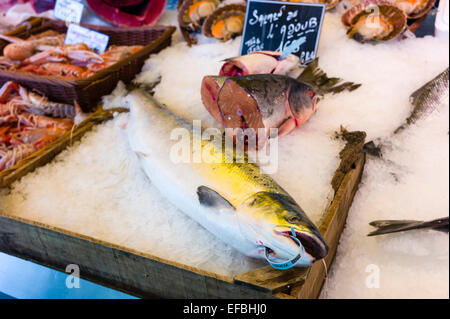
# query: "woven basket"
46,154
88,92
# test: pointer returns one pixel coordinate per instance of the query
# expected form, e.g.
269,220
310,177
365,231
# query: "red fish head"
303,101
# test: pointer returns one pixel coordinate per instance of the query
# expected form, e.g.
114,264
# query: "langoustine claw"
77,54
6,91
24,129
20,49
25,100
114,54
9,158
32,136
65,71
42,121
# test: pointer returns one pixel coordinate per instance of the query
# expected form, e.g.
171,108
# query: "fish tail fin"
316,77
393,226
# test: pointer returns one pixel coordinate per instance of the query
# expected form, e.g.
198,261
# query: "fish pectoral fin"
210,198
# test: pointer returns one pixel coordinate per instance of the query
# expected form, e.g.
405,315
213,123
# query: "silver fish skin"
430,97
234,201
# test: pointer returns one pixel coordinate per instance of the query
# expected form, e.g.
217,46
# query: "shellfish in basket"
374,20
192,14
225,23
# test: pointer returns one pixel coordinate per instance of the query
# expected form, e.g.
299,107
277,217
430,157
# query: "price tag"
93,39
69,10
288,27
171,4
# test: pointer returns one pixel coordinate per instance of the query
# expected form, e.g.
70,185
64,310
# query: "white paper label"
93,39
69,10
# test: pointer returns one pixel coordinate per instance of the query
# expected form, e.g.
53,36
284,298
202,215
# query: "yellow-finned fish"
234,200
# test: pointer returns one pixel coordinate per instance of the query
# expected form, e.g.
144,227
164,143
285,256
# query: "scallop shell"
422,9
388,11
330,3
187,26
223,13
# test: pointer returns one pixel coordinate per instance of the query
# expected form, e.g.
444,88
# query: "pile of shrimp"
29,122
46,54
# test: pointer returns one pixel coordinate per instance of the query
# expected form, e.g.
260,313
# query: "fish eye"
310,94
293,219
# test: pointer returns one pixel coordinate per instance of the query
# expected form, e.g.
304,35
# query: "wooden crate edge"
332,226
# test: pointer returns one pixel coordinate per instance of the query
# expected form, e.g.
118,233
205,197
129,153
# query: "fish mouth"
313,243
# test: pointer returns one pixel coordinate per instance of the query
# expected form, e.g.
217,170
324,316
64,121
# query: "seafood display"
29,122
234,200
210,17
265,101
194,188
384,20
46,54
427,99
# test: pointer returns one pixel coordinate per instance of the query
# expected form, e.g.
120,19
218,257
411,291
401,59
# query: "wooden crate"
45,155
144,275
88,91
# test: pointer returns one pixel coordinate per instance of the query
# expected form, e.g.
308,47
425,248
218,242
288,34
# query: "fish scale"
427,99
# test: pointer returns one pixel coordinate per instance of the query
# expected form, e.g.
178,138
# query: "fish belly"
149,132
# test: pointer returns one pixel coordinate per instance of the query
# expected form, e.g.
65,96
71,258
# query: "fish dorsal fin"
316,77
210,198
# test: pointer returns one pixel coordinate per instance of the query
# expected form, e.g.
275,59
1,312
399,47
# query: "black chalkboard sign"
291,27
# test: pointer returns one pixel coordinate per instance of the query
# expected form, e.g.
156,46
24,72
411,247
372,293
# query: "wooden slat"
272,280
331,227
148,276
113,267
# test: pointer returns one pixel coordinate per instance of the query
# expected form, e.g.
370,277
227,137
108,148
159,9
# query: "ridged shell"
421,10
187,26
183,10
330,3
389,11
221,14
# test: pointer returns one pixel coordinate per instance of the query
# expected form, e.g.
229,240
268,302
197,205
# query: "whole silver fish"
235,201
427,99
